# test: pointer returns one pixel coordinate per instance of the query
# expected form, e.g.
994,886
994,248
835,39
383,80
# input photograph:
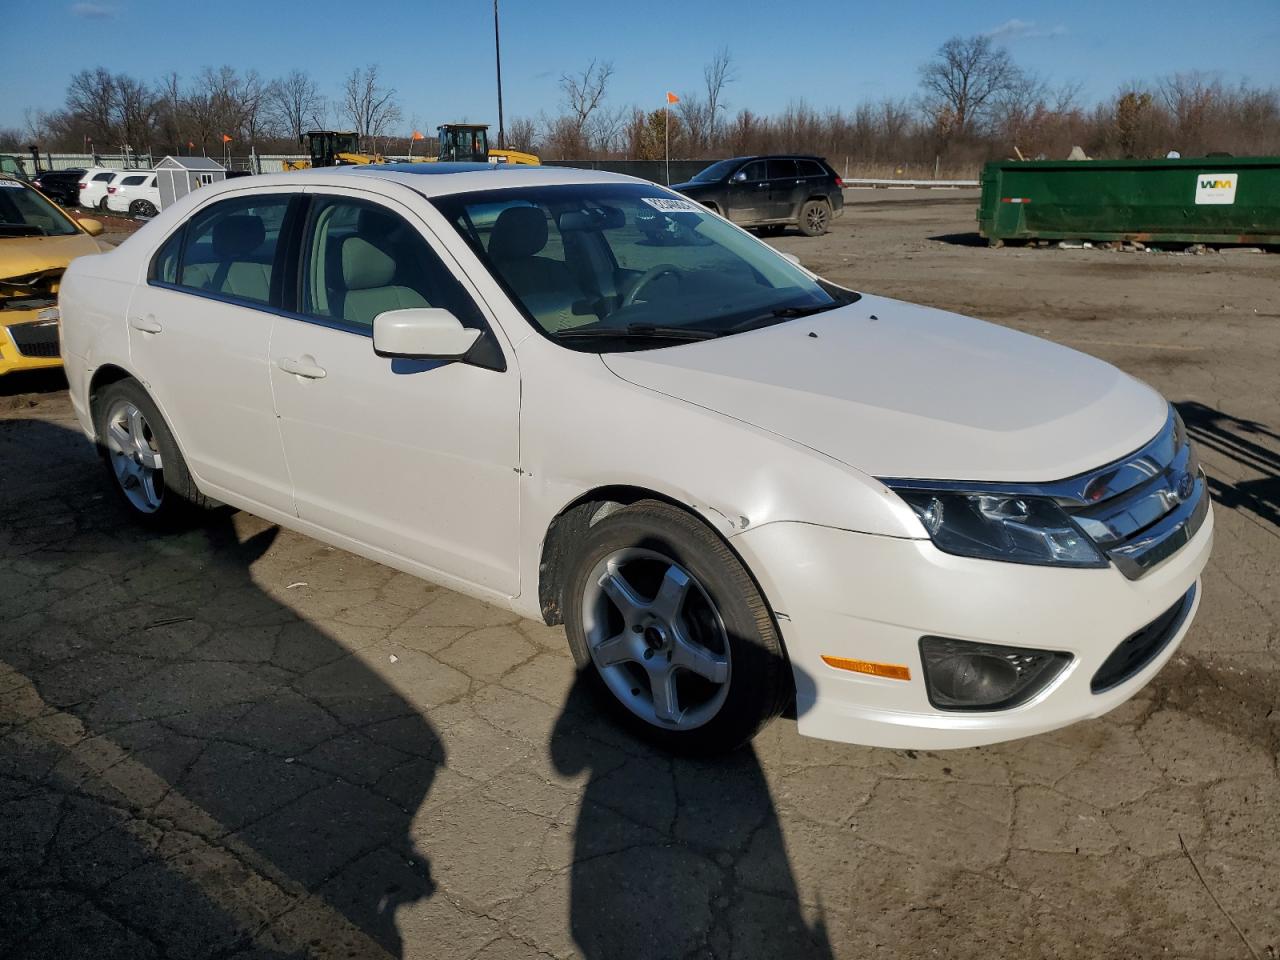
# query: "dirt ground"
238,742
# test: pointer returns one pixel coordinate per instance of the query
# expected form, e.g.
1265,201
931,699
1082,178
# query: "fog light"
960,675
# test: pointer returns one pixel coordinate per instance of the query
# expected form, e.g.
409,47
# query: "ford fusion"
587,399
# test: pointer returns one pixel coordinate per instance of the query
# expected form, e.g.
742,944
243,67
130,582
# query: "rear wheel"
101,205
815,217
142,459
677,637
142,208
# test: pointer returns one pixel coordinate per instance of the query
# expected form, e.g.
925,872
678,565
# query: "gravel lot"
239,742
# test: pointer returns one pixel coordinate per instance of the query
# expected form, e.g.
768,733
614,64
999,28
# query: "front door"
414,458
199,333
748,193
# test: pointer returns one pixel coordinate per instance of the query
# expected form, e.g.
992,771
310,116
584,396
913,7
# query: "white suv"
134,192
93,187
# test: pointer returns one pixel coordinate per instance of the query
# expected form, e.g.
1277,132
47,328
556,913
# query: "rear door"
748,193
199,332
784,188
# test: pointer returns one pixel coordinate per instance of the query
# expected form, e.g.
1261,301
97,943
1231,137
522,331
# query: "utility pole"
497,57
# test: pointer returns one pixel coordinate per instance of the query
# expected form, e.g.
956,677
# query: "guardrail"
870,182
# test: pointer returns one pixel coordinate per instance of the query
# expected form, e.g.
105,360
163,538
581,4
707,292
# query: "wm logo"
1215,184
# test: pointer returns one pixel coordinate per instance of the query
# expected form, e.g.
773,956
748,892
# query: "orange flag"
417,135
225,138
672,98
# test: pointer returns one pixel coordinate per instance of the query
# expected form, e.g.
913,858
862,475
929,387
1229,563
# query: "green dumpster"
1187,200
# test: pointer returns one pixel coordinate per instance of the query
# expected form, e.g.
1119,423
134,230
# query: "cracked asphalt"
237,742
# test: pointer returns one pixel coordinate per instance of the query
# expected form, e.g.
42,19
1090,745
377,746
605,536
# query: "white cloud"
93,11
1015,29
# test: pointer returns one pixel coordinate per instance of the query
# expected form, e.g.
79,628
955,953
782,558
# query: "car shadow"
188,767
674,857
971,239
1249,444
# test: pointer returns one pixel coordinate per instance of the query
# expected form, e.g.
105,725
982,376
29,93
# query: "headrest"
364,265
518,232
237,236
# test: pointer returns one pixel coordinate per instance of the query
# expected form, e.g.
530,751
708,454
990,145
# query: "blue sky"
439,55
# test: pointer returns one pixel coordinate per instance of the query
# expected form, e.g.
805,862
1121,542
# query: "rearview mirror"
90,226
422,333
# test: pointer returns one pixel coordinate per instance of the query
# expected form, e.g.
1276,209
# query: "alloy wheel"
135,458
818,217
656,638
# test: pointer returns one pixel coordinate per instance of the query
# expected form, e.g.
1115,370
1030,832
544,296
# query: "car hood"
31,267
694,187
897,390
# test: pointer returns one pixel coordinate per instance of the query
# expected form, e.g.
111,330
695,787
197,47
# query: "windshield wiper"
639,331
778,315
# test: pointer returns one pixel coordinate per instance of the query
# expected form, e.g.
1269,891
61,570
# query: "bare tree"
522,134
583,94
370,107
716,75
295,104
91,97
964,80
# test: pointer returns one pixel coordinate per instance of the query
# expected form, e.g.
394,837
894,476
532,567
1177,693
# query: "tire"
657,610
773,230
142,208
131,436
101,205
815,218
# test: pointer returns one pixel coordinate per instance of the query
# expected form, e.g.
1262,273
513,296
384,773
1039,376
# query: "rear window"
131,181
782,168
99,177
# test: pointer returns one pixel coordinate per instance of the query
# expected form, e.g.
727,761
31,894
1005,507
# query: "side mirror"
422,333
90,226
790,257
739,177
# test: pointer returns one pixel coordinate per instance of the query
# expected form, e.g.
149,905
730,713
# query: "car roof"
434,179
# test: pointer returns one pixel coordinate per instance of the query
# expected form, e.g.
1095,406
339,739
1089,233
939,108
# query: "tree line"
974,103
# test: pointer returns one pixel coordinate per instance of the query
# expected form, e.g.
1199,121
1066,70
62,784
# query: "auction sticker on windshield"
11,184
673,205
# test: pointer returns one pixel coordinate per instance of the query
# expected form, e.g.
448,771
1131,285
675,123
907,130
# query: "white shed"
178,176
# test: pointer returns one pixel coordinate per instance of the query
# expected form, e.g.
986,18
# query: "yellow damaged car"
37,241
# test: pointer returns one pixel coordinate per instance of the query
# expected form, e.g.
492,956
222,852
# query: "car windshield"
717,171
612,267
25,213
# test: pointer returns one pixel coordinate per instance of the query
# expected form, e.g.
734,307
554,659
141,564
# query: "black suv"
60,186
771,192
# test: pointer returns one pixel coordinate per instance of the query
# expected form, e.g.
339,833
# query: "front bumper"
872,598
27,342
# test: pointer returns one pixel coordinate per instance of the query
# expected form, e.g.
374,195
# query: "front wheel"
815,217
676,634
144,463
142,208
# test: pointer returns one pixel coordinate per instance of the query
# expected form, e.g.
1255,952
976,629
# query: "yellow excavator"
459,143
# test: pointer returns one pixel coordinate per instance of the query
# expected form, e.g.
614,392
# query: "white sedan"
587,399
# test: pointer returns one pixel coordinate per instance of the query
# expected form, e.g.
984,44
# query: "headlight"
1013,528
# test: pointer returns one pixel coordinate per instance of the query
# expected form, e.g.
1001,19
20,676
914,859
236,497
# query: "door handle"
146,324
301,368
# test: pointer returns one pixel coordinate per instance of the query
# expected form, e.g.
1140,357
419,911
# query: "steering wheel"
646,278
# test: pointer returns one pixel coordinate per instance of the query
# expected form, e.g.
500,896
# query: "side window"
230,247
361,259
782,169
164,267
754,171
131,181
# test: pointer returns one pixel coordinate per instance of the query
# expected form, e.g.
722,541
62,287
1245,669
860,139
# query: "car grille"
1140,510
38,339
1140,648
